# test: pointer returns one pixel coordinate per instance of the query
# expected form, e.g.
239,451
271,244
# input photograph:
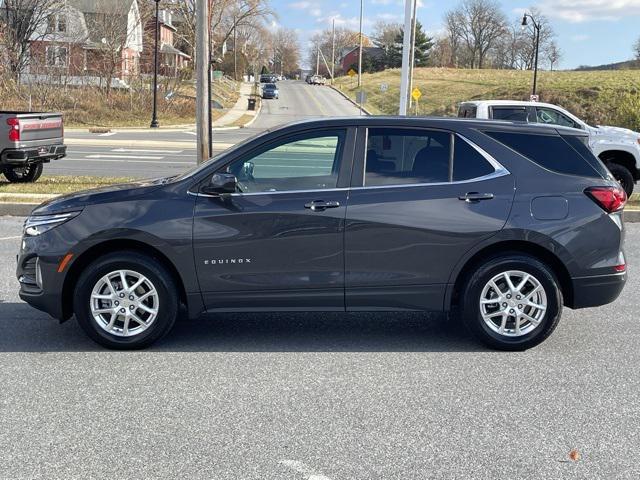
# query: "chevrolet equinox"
502,223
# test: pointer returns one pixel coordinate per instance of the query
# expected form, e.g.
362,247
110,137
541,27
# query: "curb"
255,117
364,110
16,209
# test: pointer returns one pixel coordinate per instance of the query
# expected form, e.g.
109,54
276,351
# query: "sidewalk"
238,111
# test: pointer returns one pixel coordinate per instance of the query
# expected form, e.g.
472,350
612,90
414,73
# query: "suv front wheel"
126,300
512,302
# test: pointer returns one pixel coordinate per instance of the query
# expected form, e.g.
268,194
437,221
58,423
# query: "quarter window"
468,163
304,162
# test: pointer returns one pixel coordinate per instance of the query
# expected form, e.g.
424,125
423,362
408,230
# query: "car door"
426,197
278,244
551,116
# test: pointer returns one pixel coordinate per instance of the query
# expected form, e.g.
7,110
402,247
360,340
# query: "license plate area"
43,150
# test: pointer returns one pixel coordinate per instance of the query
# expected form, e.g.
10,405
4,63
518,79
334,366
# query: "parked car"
354,214
270,90
268,78
618,148
31,139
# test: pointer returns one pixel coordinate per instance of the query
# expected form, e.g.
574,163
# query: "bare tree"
286,50
384,34
553,54
636,49
22,22
528,35
345,39
478,25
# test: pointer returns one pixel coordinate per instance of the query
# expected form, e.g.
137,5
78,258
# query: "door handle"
473,197
320,205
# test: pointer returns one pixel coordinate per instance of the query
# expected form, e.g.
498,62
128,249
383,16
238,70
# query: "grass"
57,185
598,97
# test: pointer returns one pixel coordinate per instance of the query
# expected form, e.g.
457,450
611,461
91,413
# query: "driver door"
278,243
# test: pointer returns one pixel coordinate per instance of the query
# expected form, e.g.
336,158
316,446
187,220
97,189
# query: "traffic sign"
352,73
416,94
534,98
384,87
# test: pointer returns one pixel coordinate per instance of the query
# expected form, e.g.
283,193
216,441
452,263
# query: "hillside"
599,97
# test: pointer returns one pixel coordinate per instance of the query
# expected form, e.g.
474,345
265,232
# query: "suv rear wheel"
512,302
126,301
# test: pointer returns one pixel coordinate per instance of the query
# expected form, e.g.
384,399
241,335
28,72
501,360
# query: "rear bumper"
23,156
596,291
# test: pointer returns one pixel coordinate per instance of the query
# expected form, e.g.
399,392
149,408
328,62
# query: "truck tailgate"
40,128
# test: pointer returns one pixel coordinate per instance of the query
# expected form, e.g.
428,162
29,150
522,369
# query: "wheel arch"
621,157
111,246
502,247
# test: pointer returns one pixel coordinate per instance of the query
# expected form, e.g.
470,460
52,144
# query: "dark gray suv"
504,223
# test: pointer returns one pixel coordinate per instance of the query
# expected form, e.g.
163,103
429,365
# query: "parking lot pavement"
319,396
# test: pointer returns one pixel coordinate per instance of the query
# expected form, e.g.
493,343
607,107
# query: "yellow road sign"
352,72
416,94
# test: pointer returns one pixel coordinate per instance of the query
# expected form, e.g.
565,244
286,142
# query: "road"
319,396
167,152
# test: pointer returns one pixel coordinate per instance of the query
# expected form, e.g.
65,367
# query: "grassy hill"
599,97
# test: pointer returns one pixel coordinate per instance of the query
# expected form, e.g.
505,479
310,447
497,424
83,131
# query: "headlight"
37,224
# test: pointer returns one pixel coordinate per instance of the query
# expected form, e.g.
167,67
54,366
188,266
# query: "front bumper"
24,156
597,291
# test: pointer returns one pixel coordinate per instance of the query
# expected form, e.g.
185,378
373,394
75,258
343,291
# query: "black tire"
472,291
27,174
154,271
623,176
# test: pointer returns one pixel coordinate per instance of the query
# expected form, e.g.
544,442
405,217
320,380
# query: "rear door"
278,244
512,113
420,199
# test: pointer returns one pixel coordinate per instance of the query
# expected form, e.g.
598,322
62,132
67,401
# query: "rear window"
467,111
548,151
514,114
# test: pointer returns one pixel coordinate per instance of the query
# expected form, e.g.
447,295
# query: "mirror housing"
221,184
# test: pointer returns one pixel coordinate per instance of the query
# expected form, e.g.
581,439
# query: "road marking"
124,160
126,157
306,471
317,102
108,134
10,238
137,150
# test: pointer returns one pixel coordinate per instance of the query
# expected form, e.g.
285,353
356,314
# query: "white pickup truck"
618,148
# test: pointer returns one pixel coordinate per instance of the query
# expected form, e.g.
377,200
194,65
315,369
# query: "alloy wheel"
513,303
124,303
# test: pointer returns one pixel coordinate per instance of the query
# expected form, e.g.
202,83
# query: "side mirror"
221,183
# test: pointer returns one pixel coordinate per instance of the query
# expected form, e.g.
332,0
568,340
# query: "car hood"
110,193
615,132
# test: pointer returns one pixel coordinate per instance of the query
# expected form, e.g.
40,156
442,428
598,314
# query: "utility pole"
154,115
333,51
203,127
235,49
317,58
412,61
360,47
406,45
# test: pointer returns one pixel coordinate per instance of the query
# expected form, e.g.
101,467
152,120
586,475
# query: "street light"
536,28
154,116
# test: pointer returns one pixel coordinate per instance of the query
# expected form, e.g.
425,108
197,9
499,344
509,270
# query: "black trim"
596,291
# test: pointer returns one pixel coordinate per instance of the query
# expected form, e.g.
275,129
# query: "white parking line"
10,238
124,160
134,150
108,134
305,470
127,157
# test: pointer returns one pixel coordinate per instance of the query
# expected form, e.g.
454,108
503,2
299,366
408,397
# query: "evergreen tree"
423,45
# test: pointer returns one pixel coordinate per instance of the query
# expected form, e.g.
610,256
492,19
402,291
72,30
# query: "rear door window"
552,116
513,114
548,151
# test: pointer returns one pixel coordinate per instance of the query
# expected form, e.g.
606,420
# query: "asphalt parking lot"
319,396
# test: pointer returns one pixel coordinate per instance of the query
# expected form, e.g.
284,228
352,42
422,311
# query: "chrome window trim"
279,192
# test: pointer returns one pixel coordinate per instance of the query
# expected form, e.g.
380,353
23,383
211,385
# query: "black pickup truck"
29,140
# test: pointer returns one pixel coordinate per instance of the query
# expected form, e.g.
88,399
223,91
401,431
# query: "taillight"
14,132
610,199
